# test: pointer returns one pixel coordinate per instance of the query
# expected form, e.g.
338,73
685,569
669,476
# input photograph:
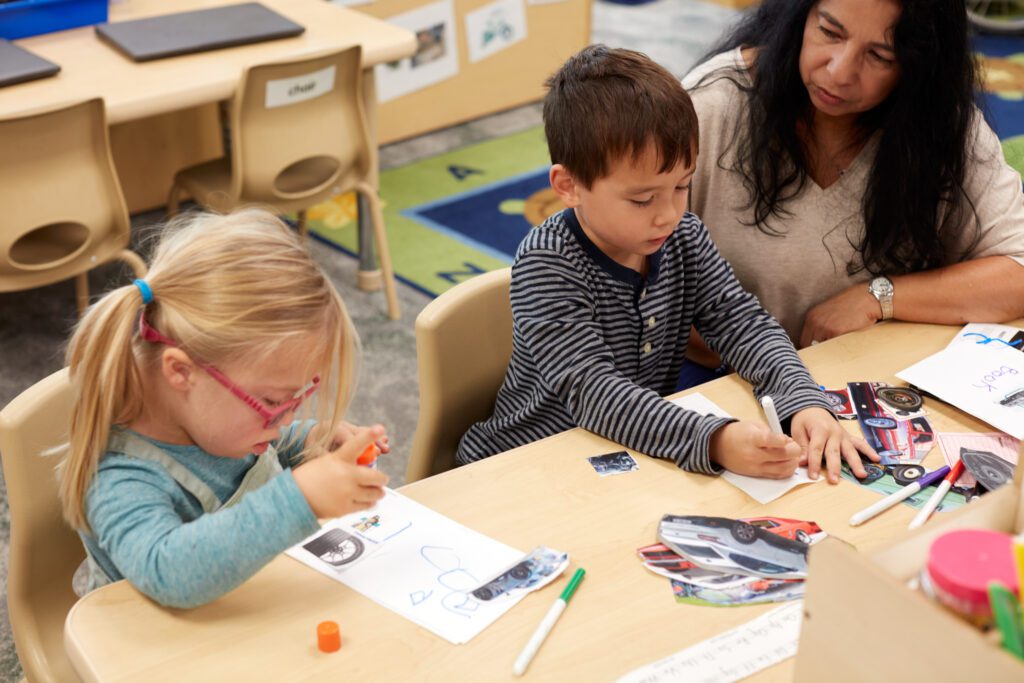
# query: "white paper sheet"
730,656
437,53
984,380
494,27
417,563
969,334
762,490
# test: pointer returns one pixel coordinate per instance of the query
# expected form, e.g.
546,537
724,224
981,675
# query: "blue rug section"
1005,115
476,219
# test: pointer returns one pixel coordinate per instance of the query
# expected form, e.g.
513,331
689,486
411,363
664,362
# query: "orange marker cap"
368,456
328,637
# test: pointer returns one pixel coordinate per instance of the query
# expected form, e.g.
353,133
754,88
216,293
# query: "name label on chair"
287,91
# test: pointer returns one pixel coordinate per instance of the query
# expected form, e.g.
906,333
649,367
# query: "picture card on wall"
494,27
436,58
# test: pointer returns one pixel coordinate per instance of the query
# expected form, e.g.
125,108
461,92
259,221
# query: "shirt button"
643,293
647,347
650,321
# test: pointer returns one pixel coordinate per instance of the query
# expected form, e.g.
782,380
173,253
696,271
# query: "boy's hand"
343,431
818,432
334,485
750,448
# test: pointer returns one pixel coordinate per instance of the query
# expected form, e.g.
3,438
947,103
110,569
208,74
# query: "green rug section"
431,261
1013,150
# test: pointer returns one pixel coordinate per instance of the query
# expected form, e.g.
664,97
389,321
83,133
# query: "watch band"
886,301
882,289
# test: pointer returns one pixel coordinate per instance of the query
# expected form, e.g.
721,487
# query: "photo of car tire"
743,532
336,547
906,474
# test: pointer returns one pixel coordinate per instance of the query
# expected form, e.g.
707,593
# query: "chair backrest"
45,552
299,131
63,208
463,347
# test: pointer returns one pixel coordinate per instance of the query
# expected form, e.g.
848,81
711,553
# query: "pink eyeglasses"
271,416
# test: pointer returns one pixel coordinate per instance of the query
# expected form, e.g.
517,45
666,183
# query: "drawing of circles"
990,470
901,398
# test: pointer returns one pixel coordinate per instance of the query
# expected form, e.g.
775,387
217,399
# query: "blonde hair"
225,287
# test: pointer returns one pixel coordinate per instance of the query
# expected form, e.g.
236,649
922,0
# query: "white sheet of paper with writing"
415,562
973,333
762,490
983,380
730,656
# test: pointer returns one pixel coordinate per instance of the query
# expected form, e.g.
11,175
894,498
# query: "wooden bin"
862,622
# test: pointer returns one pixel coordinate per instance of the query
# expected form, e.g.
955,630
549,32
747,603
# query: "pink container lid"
962,563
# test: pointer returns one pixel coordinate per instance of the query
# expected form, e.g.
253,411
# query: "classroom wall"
512,77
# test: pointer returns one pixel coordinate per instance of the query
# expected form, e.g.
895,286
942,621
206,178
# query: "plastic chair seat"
290,154
44,551
64,213
463,347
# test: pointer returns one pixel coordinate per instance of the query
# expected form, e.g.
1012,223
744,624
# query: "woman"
846,174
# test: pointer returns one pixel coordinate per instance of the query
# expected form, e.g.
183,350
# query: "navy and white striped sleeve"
563,334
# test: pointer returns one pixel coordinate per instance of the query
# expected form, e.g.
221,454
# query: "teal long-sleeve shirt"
149,530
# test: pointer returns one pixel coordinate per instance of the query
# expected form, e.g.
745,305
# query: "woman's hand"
852,309
752,449
819,433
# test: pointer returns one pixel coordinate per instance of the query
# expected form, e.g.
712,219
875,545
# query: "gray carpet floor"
34,324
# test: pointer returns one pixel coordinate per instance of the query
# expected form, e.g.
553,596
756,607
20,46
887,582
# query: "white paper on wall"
494,27
437,54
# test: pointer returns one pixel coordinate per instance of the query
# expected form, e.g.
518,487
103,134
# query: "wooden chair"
298,137
64,213
463,347
45,552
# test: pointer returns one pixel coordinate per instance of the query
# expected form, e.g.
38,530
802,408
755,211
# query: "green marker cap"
1007,614
574,582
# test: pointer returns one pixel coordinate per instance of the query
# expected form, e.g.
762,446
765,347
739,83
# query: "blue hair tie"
147,293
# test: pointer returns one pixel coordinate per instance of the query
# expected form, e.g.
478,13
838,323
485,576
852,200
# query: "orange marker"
328,637
368,456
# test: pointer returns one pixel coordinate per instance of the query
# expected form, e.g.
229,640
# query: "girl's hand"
334,485
343,431
751,448
818,432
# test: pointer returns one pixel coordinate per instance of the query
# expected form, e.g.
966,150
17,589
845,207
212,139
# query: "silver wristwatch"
881,288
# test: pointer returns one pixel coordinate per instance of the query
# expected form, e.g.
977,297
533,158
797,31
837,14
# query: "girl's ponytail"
107,391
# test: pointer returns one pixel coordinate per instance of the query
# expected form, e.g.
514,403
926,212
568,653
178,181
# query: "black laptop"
18,65
170,35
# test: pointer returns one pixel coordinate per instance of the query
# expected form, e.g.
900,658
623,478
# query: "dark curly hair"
914,205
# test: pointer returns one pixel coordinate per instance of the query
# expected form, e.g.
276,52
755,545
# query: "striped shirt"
596,345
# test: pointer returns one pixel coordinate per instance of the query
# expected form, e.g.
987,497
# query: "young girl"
185,473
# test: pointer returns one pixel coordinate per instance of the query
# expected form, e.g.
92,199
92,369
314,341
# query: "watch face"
881,285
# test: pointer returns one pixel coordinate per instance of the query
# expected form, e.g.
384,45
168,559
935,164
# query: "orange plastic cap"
368,456
328,637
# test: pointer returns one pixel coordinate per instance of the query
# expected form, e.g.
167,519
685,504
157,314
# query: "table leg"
369,278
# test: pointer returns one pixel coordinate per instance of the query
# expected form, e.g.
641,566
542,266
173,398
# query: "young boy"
604,294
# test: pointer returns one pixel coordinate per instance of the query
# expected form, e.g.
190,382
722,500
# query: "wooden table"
546,493
163,114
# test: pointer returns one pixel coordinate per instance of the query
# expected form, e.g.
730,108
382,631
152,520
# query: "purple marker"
906,492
